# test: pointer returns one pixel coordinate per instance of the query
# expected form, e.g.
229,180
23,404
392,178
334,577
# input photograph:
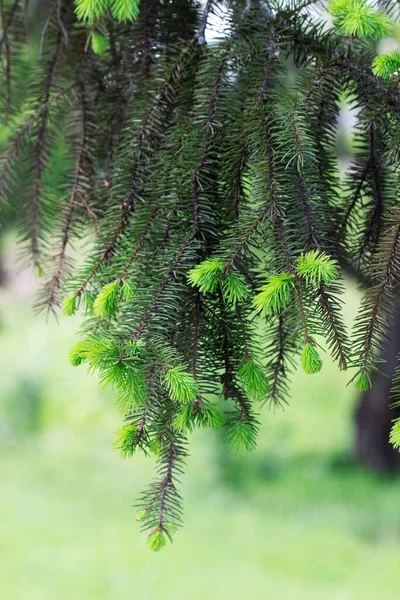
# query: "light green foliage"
156,540
107,301
100,43
359,18
274,296
93,349
202,414
241,434
116,369
129,383
69,306
387,64
38,271
87,301
180,385
253,380
79,353
206,275
122,10
125,440
127,289
234,288
155,446
338,8
310,359
125,10
88,10
395,434
141,514
363,382
317,267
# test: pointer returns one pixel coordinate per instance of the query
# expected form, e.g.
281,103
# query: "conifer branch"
39,154
139,244
166,280
53,299
7,21
376,310
17,141
200,34
128,206
208,133
201,181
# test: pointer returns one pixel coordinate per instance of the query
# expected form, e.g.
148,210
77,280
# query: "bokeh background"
298,519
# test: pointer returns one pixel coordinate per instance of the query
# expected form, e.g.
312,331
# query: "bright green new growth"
115,369
253,380
240,435
125,440
100,43
234,289
180,385
130,385
69,306
363,382
79,353
310,359
395,434
274,296
122,10
317,267
358,18
105,304
125,10
156,540
112,293
387,64
206,275
201,414
141,514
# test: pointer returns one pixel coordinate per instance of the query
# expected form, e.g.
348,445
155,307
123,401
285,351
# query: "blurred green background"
298,519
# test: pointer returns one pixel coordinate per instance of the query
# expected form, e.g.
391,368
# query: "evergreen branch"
21,135
196,334
139,244
200,34
82,149
166,280
7,21
339,58
208,133
129,205
7,55
381,294
278,364
61,23
45,28
39,151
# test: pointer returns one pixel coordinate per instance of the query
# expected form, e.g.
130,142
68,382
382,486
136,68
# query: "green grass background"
295,520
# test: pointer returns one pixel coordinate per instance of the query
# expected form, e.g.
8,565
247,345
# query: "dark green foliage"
204,180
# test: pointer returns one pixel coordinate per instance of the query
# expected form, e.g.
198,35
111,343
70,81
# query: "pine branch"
39,154
76,196
19,138
166,280
7,21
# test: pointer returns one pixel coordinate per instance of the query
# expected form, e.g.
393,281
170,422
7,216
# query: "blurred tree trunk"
374,416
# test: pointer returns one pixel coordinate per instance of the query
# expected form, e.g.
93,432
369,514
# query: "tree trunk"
373,418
